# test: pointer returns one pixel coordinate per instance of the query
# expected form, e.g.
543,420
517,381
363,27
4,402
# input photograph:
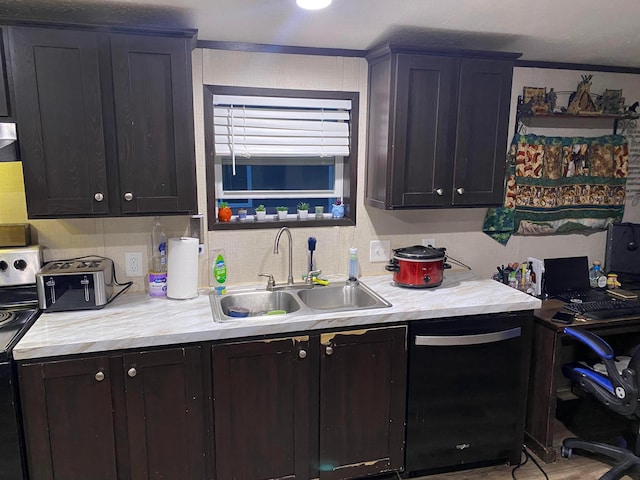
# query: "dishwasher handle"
476,339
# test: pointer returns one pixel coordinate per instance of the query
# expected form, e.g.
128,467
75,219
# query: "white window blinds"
254,126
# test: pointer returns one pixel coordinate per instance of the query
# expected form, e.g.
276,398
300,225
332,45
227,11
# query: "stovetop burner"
5,317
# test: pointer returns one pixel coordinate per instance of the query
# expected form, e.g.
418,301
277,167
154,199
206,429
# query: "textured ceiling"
574,31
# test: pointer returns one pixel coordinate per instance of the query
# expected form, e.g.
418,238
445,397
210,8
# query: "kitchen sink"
253,304
293,301
342,297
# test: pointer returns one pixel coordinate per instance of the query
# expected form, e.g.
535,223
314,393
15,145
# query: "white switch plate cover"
379,250
133,264
429,242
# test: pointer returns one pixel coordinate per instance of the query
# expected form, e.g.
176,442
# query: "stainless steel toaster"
75,285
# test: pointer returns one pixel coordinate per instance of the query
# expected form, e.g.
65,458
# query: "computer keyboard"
604,309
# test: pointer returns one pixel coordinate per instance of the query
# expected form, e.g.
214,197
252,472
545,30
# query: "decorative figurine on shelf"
337,209
552,98
224,212
580,101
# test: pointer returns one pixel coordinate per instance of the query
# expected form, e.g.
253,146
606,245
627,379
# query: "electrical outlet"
379,250
133,264
429,242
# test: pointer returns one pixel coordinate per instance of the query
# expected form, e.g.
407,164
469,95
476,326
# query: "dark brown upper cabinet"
437,130
105,121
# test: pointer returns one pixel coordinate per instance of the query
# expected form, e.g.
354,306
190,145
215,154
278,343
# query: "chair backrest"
621,395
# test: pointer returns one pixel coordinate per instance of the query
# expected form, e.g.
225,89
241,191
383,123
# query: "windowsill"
272,221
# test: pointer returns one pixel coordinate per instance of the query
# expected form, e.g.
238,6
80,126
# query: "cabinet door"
265,425
59,112
165,414
5,110
483,122
68,419
154,123
424,126
362,402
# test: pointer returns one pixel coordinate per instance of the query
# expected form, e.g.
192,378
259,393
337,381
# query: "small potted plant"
224,212
261,213
303,210
242,214
337,209
282,212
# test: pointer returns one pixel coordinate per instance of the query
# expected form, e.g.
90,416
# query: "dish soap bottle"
158,271
352,268
219,272
597,278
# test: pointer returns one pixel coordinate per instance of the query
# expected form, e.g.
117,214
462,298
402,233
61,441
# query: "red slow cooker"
418,266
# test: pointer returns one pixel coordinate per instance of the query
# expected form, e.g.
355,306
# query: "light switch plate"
379,250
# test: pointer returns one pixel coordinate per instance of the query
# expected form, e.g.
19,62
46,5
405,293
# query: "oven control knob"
3,266
20,264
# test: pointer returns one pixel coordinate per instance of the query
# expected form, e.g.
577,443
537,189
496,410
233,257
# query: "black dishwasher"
467,387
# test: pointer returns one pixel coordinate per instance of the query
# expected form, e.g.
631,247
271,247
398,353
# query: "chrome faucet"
275,250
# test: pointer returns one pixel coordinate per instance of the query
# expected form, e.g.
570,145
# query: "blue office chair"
616,390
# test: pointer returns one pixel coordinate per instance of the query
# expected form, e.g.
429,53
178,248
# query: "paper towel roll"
182,268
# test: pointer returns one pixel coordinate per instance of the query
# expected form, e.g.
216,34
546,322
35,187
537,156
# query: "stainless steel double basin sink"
292,301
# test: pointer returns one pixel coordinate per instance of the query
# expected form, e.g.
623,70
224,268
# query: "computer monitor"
622,253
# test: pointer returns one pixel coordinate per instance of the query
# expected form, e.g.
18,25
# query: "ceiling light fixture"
313,4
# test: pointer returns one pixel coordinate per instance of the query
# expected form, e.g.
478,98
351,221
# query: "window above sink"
280,148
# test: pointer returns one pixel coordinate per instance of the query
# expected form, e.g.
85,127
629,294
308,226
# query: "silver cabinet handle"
128,196
439,192
302,354
460,191
99,197
132,372
452,340
99,376
329,350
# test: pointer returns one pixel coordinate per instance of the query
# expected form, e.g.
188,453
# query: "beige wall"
250,252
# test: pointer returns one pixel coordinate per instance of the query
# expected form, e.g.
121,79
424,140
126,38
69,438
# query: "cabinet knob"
302,354
128,196
439,192
329,350
460,190
132,372
99,376
99,197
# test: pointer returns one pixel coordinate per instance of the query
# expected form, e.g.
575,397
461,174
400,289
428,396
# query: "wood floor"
577,467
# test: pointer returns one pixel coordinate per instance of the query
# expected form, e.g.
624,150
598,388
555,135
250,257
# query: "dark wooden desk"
545,380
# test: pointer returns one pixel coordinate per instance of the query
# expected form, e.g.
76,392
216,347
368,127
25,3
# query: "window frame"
350,162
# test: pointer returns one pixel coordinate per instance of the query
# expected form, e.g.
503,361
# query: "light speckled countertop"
137,320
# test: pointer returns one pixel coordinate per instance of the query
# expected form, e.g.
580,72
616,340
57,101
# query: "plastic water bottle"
597,278
352,269
158,271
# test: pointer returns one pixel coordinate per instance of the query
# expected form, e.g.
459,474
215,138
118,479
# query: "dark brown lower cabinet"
327,406
132,416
